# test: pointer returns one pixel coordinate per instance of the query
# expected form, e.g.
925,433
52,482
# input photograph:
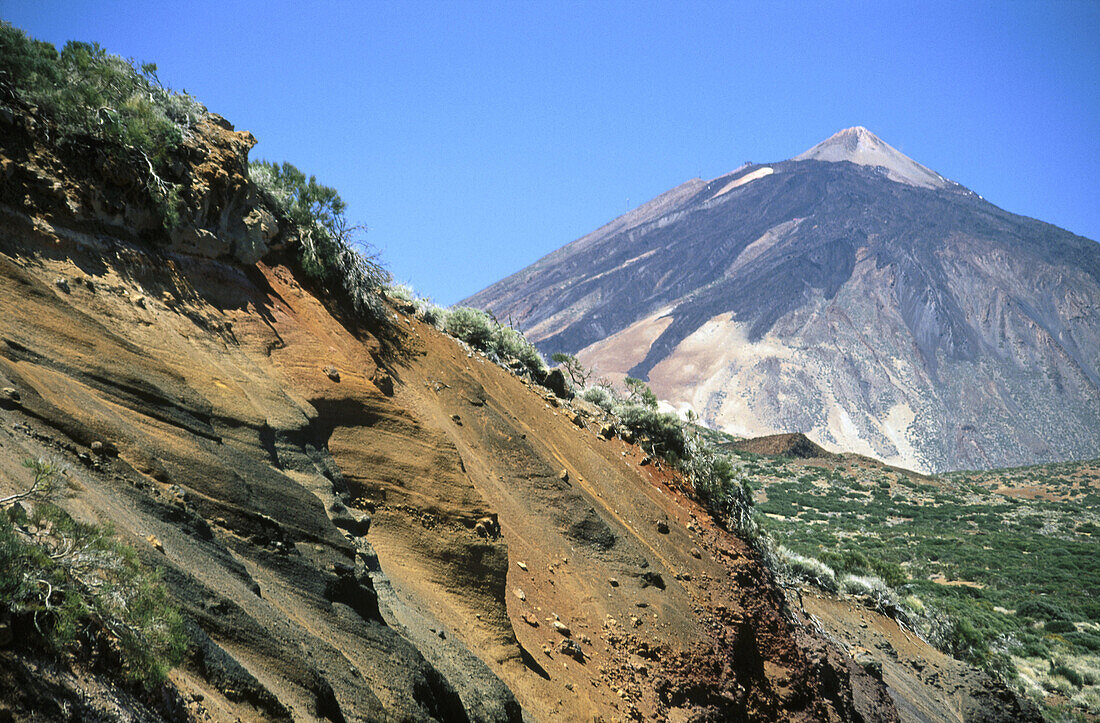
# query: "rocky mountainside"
849,293
356,524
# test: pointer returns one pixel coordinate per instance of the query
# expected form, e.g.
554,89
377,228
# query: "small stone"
384,382
522,565
9,397
607,431
456,419
612,582
662,527
97,447
564,475
531,620
695,553
635,622
561,628
519,593
156,543
569,647
332,372
62,283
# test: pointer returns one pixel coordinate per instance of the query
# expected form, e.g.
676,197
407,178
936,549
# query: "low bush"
808,569
86,91
329,249
79,586
661,432
480,330
600,395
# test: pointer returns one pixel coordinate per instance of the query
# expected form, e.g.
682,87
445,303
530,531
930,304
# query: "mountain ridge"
989,314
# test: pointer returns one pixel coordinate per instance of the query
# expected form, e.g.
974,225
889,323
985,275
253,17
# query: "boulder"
558,384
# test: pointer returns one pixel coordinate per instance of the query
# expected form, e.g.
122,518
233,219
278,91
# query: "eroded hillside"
357,525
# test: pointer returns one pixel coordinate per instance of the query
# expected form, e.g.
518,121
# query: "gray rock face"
878,308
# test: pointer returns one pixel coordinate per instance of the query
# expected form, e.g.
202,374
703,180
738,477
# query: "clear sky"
474,137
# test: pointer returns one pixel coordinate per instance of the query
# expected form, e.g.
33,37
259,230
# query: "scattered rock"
140,302
9,398
695,553
653,579
577,421
104,449
612,582
564,475
645,460
562,628
62,283
866,661
607,431
456,419
569,647
156,543
487,527
662,527
522,565
519,593
332,372
556,382
635,622
531,620
384,382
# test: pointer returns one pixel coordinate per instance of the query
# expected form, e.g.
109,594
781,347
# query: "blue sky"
474,137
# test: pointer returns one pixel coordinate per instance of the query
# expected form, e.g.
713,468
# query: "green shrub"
1041,610
85,91
77,583
602,396
573,367
472,326
326,240
661,432
1059,626
639,392
808,569
503,343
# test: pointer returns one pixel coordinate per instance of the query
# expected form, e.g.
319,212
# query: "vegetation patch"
84,91
1002,580
76,588
329,248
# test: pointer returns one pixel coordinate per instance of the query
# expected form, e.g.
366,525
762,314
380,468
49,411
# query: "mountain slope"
358,523
849,293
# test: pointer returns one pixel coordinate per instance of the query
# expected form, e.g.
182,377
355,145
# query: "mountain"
849,293
357,517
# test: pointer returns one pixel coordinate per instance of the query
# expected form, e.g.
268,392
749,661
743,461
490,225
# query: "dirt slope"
359,530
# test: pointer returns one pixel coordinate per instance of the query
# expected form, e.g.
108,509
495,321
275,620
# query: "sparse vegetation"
578,374
79,588
1001,579
85,91
329,248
